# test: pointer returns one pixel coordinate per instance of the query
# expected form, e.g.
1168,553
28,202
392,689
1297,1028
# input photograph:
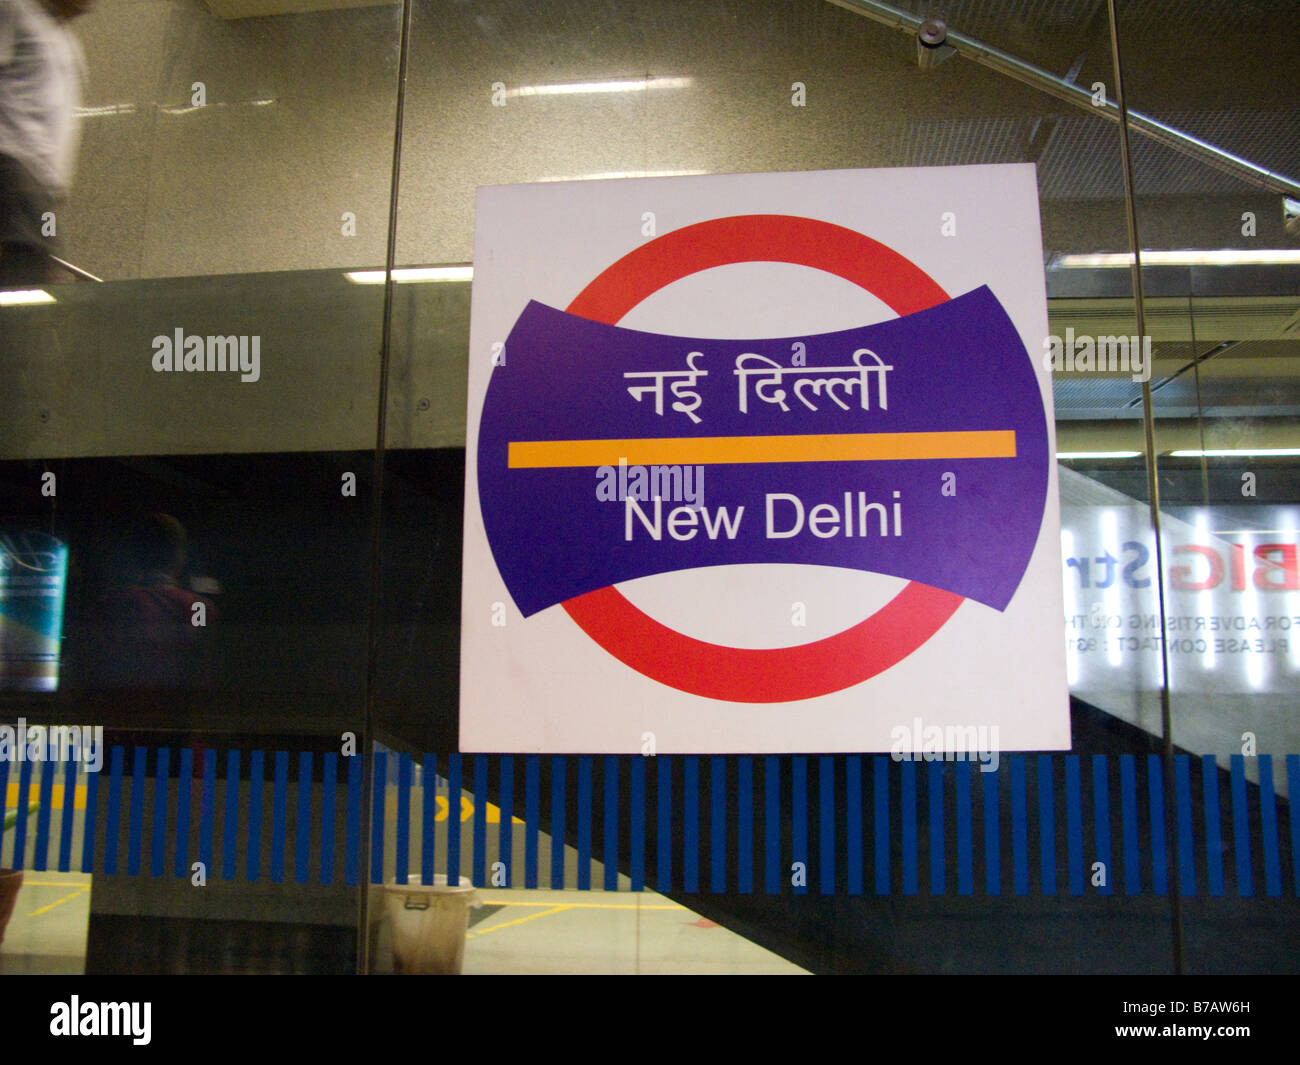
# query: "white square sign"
762,463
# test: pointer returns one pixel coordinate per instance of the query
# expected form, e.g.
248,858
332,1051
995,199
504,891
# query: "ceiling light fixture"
1220,257
408,275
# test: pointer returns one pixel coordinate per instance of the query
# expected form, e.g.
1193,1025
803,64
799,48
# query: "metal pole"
377,514
1011,66
1153,494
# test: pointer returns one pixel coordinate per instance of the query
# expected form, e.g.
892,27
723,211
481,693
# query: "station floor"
511,932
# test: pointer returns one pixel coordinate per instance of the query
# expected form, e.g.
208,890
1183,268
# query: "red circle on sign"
778,674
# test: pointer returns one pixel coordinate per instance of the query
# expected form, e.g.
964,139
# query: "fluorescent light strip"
105,109
1067,456
220,103
1232,453
1220,257
618,174
25,297
582,87
409,275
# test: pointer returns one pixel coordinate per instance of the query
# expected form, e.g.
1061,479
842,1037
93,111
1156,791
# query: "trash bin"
428,923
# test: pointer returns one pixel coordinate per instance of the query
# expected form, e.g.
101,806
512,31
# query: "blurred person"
42,70
148,634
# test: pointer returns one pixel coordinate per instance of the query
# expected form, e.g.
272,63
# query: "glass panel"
185,477
1223,285
514,92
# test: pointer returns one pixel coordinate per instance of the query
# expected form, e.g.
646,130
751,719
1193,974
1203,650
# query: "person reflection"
152,628
42,70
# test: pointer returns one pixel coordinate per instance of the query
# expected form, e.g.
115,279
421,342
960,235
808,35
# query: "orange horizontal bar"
701,450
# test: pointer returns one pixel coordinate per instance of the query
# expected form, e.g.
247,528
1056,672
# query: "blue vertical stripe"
43,817
1241,827
1268,827
1213,823
881,826
378,811
718,825
1293,793
506,829
799,818
938,872
454,790
46,801
1074,823
1129,824
158,840
207,809
911,883
853,822
557,822
184,801
745,825
302,821
402,844
611,823
1186,843
65,822
352,831
584,822
826,823
1046,824
636,825
329,796
1101,822
279,815
479,855
965,870
532,817
135,837
88,825
664,826
112,831
4,798
691,825
428,817
1019,826
230,826
20,827
992,835
771,825
256,777
1159,842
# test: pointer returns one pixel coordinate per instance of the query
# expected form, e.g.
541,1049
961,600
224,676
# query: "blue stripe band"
1046,824
691,825
745,825
718,825
853,828
584,822
1213,826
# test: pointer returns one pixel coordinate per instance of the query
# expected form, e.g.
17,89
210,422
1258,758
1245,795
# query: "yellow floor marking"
56,795
60,902
518,920
53,883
